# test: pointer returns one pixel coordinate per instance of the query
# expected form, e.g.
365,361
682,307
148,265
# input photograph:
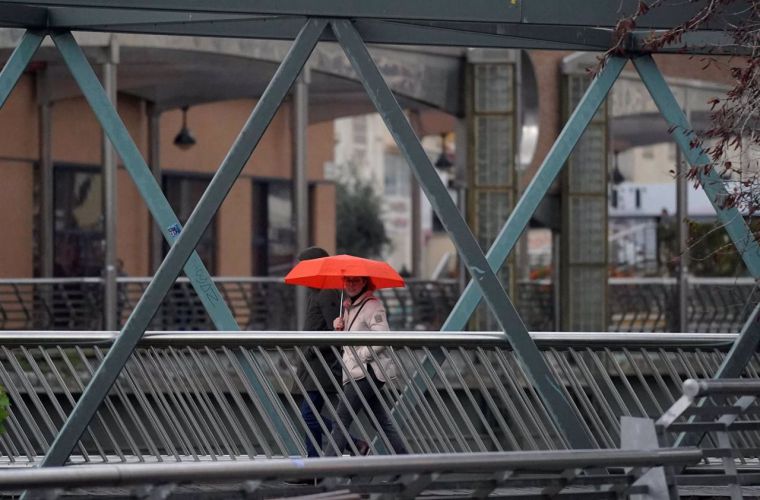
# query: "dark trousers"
312,421
354,401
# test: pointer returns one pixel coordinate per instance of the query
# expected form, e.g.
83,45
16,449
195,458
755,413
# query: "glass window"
78,229
396,175
183,193
274,239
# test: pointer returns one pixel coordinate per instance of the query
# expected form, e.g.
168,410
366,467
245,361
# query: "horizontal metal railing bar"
115,475
48,281
411,338
739,387
696,280
257,338
743,280
181,279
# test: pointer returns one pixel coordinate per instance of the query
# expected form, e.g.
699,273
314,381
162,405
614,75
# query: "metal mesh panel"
494,88
587,308
588,172
494,208
494,156
588,224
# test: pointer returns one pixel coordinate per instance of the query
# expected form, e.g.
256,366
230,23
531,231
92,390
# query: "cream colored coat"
369,317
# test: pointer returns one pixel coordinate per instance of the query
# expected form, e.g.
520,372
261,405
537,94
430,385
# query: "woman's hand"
338,324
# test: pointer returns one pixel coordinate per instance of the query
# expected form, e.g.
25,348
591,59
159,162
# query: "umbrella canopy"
328,272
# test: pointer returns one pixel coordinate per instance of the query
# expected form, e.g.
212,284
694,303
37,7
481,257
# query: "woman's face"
353,285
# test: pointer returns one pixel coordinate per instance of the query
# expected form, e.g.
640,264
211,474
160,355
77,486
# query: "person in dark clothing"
322,307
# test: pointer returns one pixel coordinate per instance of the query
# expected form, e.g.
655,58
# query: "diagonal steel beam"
146,183
539,185
731,218
533,363
18,62
167,273
710,180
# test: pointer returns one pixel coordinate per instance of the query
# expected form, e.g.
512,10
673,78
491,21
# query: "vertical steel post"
415,201
46,212
682,231
110,192
299,125
531,359
154,161
109,369
534,193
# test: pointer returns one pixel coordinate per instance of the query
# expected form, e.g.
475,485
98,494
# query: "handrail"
181,279
119,474
407,338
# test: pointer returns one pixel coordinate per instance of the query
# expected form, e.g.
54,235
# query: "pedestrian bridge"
189,398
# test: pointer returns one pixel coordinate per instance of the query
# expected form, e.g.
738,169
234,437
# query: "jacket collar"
347,305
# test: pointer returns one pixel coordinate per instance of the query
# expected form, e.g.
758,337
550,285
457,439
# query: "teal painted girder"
533,363
18,62
113,363
746,343
143,178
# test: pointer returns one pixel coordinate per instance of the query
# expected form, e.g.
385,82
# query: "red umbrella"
328,272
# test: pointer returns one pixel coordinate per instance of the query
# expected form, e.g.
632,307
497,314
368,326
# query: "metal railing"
256,303
186,396
721,417
635,304
719,305
478,475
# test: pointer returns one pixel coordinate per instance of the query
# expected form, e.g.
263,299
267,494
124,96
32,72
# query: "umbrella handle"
340,310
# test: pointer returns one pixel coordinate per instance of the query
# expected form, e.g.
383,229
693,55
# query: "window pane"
183,194
78,228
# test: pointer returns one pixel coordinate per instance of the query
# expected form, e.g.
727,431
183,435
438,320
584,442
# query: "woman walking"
364,365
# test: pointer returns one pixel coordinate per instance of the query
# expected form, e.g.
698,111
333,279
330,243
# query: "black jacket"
322,308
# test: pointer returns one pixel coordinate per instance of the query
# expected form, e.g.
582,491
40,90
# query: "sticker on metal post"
174,230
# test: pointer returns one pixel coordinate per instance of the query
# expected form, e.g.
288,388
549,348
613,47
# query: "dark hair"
312,253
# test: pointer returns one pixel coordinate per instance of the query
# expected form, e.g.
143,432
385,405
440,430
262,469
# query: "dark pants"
375,406
312,421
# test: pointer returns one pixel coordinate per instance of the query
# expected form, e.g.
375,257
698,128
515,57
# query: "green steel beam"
711,182
539,185
144,180
744,348
531,359
746,343
567,27
600,13
212,198
23,16
473,10
372,30
18,62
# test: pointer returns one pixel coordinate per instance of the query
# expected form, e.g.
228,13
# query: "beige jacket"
367,314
